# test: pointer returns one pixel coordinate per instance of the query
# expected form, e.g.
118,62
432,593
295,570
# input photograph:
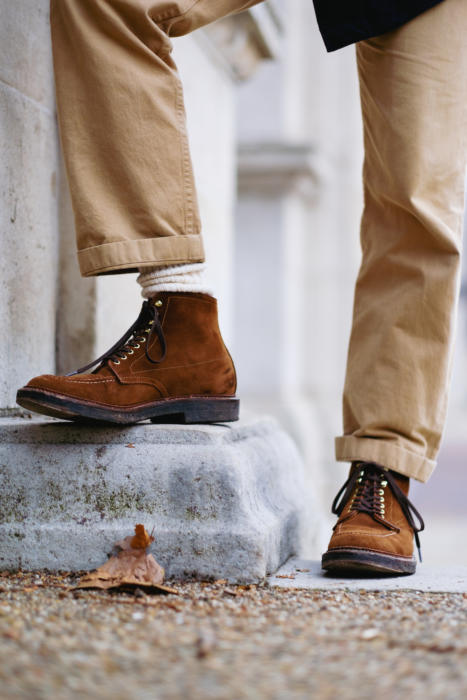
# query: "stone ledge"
226,501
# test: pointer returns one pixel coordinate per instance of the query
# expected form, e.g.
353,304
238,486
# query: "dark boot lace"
367,483
142,331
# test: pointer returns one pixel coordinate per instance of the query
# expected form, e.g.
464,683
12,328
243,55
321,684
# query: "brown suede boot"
375,529
170,366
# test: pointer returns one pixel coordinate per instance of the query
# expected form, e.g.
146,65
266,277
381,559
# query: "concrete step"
225,501
306,574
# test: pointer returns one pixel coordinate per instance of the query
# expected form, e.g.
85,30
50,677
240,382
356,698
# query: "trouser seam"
185,159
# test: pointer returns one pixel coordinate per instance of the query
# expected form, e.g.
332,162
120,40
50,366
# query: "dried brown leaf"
132,567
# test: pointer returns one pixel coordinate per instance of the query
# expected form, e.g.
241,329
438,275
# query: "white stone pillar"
28,197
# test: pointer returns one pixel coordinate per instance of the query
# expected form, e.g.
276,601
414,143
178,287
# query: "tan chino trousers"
413,85
122,124
122,127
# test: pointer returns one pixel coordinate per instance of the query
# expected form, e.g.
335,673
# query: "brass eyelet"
130,352
158,303
116,362
142,340
124,357
137,345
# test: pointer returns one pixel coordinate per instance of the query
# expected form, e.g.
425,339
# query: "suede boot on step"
170,366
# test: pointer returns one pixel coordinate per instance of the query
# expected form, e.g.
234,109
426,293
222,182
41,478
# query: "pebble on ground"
224,642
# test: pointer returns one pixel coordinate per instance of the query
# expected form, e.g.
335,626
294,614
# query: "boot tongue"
402,481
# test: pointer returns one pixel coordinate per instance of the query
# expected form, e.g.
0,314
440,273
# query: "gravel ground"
215,640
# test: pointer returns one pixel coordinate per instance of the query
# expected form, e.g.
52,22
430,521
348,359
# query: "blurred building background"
276,141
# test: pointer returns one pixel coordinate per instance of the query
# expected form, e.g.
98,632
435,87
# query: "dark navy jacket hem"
339,32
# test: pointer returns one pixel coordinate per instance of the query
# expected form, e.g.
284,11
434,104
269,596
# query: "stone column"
29,182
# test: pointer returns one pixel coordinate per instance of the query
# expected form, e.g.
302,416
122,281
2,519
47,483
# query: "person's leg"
122,125
414,104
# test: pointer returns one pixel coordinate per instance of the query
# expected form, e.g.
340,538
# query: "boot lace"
365,488
143,330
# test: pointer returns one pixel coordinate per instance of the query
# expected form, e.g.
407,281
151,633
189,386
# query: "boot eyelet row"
382,508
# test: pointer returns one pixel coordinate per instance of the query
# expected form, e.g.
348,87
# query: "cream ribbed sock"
176,278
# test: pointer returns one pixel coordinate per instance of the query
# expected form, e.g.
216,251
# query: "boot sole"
197,409
361,561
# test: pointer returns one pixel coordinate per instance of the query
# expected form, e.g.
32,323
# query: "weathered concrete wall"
28,191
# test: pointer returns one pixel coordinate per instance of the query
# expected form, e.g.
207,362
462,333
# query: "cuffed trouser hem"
349,449
126,256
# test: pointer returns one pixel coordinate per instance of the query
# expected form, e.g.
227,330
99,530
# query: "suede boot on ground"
375,530
170,366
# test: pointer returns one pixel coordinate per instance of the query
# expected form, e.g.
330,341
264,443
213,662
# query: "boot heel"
199,410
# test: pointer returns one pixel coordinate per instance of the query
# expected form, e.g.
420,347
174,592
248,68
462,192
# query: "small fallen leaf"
292,576
130,444
132,567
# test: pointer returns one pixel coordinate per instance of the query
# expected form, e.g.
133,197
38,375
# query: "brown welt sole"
362,561
193,409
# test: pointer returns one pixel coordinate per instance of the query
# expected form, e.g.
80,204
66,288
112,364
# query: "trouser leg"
122,125
413,93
